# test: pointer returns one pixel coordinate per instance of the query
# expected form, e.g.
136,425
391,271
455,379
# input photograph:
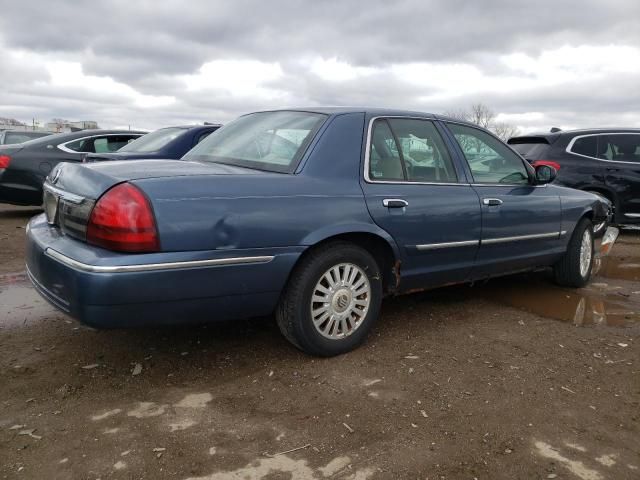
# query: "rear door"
415,191
621,152
520,221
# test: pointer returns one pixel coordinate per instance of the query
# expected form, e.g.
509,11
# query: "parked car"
10,137
170,142
23,167
603,161
312,214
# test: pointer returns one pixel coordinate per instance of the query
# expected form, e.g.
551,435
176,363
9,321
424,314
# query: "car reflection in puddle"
595,305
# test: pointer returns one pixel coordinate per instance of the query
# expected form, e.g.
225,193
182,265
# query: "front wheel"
575,267
332,300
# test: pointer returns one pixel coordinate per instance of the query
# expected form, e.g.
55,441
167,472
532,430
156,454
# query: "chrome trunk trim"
147,267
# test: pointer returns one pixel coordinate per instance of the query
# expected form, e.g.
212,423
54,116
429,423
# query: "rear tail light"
5,160
123,220
548,163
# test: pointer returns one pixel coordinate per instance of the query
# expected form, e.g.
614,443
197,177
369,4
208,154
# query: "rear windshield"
20,137
531,148
154,141
271,141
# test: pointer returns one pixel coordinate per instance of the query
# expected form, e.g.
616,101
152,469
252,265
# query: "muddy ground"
513,379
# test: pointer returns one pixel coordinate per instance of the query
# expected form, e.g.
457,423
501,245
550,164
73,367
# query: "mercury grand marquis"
312,214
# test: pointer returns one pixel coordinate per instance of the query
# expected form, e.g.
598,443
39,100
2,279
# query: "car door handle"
395,203
492,202
610,169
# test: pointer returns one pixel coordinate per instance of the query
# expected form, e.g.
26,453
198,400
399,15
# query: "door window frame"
600,134
443,136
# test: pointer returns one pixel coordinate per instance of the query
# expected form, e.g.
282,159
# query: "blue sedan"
312,214
169,142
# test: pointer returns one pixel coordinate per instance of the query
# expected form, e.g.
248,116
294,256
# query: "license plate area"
51,204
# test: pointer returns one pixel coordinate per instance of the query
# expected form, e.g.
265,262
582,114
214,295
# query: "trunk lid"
71,190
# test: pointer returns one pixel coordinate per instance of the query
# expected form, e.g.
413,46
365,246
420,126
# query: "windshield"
154,141
272,141
20,137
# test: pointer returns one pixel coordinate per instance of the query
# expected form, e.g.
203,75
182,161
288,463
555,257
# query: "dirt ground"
513,379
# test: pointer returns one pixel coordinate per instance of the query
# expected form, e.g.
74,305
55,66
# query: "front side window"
489,159
271,141
411,150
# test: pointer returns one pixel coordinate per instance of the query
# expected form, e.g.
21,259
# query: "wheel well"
604,192
379,249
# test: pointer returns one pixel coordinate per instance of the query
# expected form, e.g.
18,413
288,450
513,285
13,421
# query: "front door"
412,190
623,172
520,221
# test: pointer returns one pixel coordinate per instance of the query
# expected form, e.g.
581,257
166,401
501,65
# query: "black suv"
604,161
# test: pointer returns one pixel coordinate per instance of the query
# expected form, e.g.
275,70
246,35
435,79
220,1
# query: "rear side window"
489,159
111,143
587,146
411,150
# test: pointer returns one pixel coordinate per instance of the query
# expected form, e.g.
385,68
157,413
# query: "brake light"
123,220
548,163
5,160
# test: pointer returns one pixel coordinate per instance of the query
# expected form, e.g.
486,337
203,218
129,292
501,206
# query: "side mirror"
545,174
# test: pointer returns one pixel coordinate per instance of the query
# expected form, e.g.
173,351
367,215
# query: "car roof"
372,111
575,132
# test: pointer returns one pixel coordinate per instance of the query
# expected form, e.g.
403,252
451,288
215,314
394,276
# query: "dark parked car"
604,161
10,137
314,215
23,167
170,142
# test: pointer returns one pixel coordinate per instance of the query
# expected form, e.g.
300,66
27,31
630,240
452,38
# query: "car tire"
347,281
575,267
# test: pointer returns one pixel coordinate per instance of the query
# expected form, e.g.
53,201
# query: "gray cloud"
150,46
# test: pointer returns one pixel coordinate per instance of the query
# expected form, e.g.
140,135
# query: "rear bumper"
109,290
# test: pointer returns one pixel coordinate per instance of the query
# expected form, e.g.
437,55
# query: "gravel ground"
511,379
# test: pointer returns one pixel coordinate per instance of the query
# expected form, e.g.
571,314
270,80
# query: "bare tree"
482,115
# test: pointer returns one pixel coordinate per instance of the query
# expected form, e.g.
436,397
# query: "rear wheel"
331,300
575,267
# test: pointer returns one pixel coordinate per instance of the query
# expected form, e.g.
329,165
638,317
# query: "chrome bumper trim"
632,215
436,246
70,262
536,236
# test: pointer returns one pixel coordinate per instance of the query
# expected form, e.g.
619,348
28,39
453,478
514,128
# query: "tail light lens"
123,220
5,160
548,163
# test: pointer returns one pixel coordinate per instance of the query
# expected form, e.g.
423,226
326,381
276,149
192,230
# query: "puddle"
597,304
621,268
20,304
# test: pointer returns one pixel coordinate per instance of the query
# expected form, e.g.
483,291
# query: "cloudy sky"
154,63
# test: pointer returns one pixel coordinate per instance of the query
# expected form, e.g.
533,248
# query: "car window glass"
384,157
489,159
82,145
587,146
272,141
624,148
202,137
426,159
154,141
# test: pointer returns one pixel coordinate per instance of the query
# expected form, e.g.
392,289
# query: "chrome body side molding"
85,267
